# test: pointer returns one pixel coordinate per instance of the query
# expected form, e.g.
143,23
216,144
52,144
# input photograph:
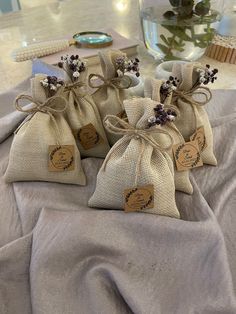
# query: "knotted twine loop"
188,96
118,83
74,86
46,107
78,95
129,132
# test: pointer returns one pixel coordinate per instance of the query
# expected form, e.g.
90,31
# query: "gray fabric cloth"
81,260
7,98
15,296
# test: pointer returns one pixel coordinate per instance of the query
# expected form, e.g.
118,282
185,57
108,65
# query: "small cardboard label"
139,198
199,136
88,136
61,158
187,155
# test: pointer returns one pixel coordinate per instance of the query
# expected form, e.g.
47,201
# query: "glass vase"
179,29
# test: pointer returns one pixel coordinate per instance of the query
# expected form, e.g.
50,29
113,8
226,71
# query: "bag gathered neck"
189,85
188,96
117,83
118,126
75,88
50,106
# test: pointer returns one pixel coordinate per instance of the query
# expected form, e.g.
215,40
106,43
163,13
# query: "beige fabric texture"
106,97
119,168
28,160
137,87
192,116
152,90
81,111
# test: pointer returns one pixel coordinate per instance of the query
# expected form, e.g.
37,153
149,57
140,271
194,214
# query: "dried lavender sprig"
72,65
123,65
207,75
168,87
51,85
161,116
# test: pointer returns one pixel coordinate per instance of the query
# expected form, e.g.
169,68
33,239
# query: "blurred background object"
121,5
46,20
9,6
223,47
228,23
179,29
25,4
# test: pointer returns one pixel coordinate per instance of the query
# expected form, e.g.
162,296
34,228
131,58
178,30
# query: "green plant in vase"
187,22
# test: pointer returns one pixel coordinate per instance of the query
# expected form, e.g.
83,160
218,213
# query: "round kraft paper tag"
188,155
88,136
61,158
139,198
199,136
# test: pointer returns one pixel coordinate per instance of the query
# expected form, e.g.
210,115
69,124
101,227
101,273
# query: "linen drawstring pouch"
152,89
44,148
137,174
82,113
112,87
190,98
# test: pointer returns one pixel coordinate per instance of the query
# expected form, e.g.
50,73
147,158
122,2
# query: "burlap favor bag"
43,148
137,174
112,87
152,89
82,113
190,98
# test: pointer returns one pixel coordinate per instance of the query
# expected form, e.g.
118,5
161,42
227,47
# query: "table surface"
68,17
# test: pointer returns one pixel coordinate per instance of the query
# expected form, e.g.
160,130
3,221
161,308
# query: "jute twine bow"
130,132
50,107
188,96
78,95
118,83
74,87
